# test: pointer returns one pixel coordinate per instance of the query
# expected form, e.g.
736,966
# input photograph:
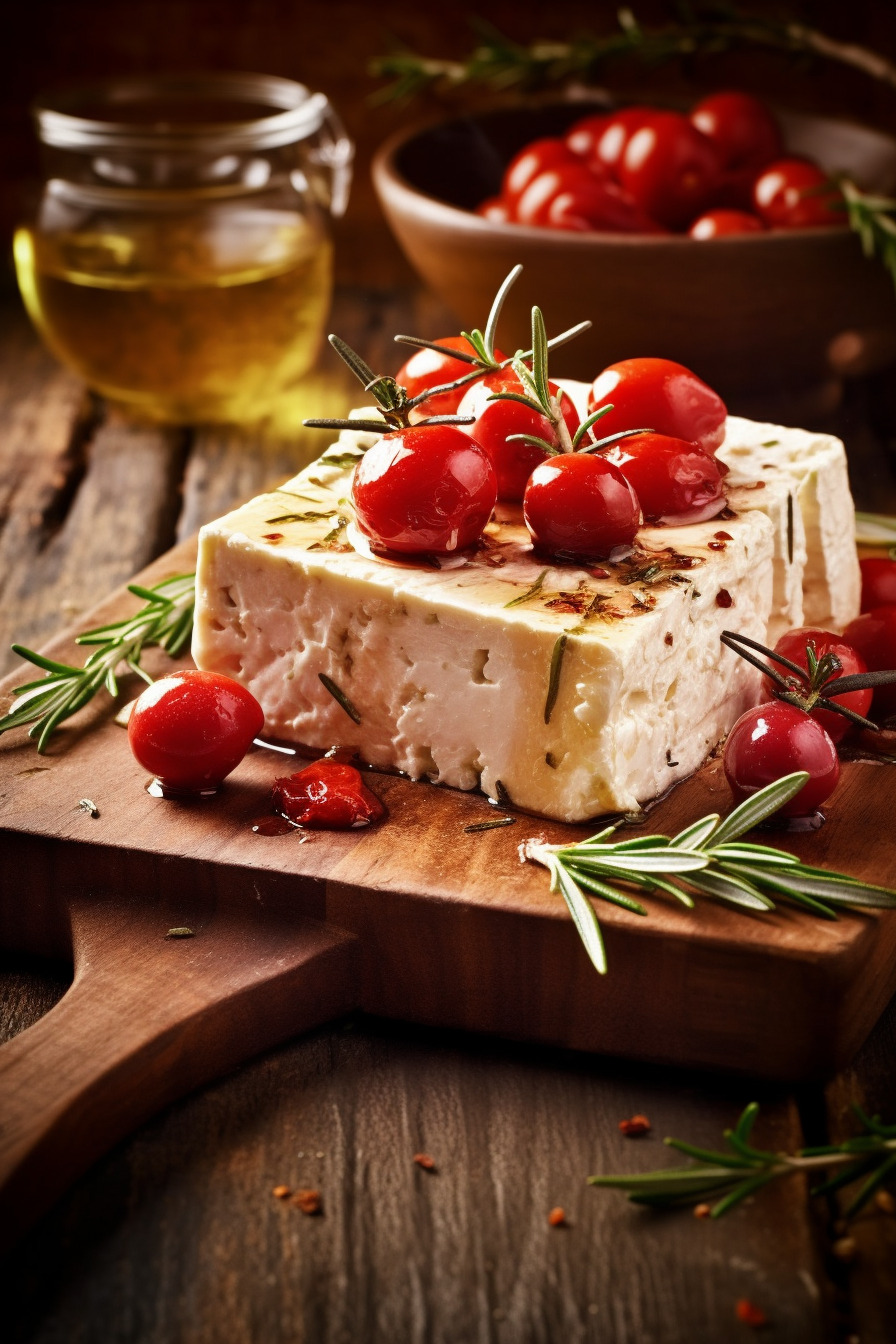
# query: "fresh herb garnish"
554,675
704,857
310,517
489,825
339,696
728,1176
166,620
529,593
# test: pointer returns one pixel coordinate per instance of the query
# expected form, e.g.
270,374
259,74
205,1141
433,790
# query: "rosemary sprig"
699,30
873,218
706,858
166,620
730,1175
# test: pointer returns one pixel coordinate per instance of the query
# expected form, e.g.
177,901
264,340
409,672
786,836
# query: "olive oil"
182,318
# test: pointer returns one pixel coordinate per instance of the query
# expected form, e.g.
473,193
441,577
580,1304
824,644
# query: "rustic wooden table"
175,1235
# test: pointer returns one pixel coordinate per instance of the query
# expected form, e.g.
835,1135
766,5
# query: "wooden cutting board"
413,919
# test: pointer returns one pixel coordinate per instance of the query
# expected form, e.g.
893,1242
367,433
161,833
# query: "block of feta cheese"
816,529
573,691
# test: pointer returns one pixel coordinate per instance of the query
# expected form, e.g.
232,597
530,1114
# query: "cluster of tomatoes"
431,488
720,169
778,737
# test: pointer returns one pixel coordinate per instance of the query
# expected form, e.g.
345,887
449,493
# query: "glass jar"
180,260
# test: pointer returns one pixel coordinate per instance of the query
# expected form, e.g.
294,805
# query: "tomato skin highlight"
571,197
327,795
676,481
792,645
514,462
660,395
191,729
670,168
580,506
777,739
796,194
609,141
537,157
873,635
878,582
427,489
721,223
427,368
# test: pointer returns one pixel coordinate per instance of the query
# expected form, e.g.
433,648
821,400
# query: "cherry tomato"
796,194
582,139
327,796
742,129
430,488
793,646
724,223
676,481
878,582
495,208
873,635
427,368
571,197
580,506
776,739
661,395
535,158
190,729
609,141
513,461
670,168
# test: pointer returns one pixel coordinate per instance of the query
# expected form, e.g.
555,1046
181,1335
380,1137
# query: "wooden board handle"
147,1019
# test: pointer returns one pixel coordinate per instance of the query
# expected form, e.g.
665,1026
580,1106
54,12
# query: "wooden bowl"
770,314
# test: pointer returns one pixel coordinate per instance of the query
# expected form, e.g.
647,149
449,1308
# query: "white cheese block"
816,534
451,684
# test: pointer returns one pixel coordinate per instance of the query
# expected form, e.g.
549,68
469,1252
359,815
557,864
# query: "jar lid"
181,112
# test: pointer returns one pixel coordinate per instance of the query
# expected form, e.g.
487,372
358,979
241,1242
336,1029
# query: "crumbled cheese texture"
450,675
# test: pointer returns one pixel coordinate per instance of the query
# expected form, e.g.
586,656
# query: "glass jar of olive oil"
180,259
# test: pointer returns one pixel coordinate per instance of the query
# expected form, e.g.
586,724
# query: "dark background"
45,43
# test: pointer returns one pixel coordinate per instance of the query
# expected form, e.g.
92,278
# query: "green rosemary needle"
166,620
709,858
728,1176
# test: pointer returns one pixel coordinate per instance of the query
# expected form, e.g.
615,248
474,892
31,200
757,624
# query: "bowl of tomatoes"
724,247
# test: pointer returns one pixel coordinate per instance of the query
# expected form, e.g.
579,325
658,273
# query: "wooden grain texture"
177,1239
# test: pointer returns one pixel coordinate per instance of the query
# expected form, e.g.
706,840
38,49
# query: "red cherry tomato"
582,139
430,488
776,739
571,197
535,158
676,481
580,506
793,646
796,194
609,141
670,169
327,796
724,223
878,582
873,635
495,421
745,133
427,368
661,395
190,729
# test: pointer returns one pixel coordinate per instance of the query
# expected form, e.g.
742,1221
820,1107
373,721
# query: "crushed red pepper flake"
724,598
309,1201
425,1161
272,536
702,1211
635,1126
557,1217
281,1191
748,1312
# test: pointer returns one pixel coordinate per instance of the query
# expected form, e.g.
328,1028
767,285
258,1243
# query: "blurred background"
329,46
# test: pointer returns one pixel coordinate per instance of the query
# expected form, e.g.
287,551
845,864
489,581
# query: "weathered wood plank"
178,1234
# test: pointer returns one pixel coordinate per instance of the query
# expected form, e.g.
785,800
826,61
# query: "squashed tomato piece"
327,796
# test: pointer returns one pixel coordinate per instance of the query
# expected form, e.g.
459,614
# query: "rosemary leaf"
529,593
583,915
339,696
554,676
